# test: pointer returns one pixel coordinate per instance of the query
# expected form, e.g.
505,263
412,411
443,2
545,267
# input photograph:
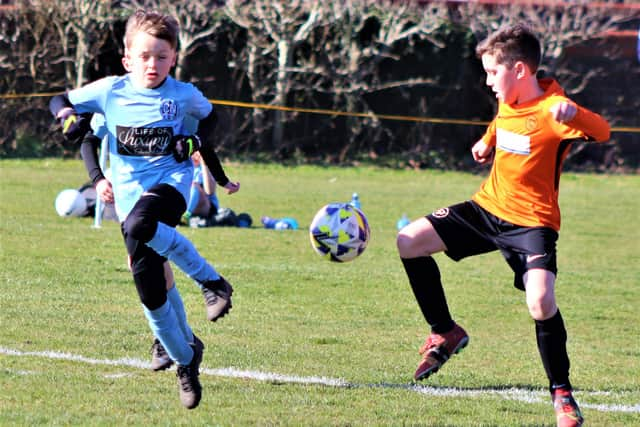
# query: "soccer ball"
71,203
339,232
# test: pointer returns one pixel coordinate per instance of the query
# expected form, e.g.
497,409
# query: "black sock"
424,277
552,344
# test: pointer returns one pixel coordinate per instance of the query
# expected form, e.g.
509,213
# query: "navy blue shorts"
467,229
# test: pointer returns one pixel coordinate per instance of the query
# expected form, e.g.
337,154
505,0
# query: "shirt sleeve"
98,126
198,106
585,124
91,98
189,125
489,137
594,126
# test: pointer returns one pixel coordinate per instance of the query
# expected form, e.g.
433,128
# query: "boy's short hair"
156,24
511,44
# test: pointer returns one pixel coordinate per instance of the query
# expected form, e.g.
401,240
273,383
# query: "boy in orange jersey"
515,210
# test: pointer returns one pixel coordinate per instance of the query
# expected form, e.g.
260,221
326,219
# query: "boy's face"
149,59
501,79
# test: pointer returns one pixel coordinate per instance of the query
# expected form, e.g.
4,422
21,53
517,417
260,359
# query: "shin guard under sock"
424,277
170,244
551,337
164,326
173,296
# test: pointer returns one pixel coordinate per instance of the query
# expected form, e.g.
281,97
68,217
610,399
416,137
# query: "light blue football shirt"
98,125
140,124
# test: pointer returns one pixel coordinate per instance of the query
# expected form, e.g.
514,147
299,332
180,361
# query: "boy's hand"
481,152
184,146
104,190
563,112
232,187
74,126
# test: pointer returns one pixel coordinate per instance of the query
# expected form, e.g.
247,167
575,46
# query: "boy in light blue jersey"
160,360
151,177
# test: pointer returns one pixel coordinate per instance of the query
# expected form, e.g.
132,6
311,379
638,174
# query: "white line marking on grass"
116,376
20,372
518,394
271,377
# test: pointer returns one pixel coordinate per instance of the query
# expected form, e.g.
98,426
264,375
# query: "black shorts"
467,229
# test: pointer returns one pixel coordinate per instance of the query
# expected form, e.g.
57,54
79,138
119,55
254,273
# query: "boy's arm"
483,149
205,129
89,153
208,182
489,137
202,142
594,126
74,125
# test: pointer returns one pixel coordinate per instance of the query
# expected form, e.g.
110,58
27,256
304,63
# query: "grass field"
310,342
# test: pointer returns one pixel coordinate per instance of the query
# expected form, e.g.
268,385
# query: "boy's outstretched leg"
178,249
416,242
151,223
446,338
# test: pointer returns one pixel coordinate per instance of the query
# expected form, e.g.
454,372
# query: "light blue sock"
174,246
164,325
194,198
215,202
178,307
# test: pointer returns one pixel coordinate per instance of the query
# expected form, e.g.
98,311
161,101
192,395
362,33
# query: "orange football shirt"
530,148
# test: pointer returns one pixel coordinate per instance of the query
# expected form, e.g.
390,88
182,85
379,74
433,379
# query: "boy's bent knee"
542,308
405,244
412,246
418,239
149,277
139,228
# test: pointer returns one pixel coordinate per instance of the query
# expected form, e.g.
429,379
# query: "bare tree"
276,29
359,38
558,27
199,20
331,48
28,46
83,28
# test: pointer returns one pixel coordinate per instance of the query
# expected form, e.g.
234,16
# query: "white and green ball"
70,203
339,232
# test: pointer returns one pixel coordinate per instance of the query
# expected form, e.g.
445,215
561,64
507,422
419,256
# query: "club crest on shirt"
441,213
168,109
531,123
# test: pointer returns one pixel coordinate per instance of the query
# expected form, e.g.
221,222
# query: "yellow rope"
326,112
